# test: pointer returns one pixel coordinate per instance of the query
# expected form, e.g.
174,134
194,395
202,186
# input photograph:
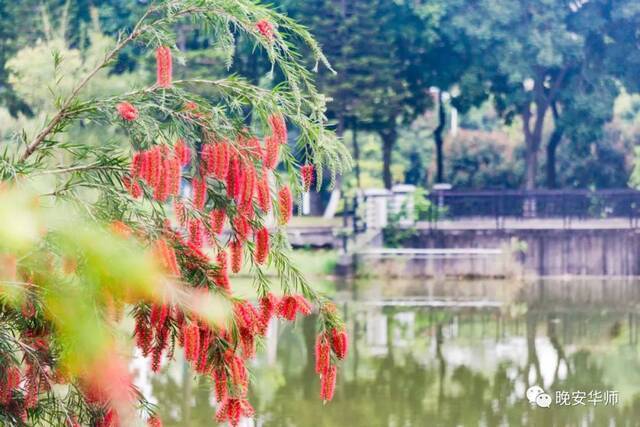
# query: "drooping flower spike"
285,205
307,175
164,67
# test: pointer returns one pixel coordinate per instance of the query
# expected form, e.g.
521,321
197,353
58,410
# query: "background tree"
537,57
377,49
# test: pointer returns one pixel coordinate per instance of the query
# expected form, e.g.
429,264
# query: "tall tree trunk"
532,139
437,136
552,146
531,164
389,137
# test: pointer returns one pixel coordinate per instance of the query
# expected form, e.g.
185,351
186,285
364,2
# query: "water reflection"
447,354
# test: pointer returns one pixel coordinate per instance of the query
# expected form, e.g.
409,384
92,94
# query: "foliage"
199,149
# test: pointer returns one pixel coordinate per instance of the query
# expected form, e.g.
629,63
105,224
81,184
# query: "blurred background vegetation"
423,88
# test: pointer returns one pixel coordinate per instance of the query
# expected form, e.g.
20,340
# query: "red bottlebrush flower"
162,190
196,233
10,381
132,186
143,334
328,383
248,186
303,306
222,275
278,128
265,28
164,66
127,111
241,227
32,389
135,190
191,342
180,212
110,419
323,354
306,172
220,378
195,252
253,148
136,164
217,217
155,165
287,308
154,422
199,186
237,370
290,305
168,257
205,342
268,305
262,245
264,193
339,342
222,157
285,204
234,178
183,152
208,159
162,335
271,152
159,315
121,229
190,106
248,343
175,175
28,309
233,409
236,255
247,316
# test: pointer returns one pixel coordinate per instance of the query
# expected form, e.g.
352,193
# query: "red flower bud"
265,28
127,111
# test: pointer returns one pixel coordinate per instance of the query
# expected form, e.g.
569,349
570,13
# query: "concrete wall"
612,252
536,253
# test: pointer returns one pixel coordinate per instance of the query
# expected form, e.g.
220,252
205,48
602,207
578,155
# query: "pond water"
448,354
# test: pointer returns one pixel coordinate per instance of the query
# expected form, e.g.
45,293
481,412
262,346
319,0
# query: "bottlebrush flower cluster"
211,181
215,351
205,195
159,168
334,341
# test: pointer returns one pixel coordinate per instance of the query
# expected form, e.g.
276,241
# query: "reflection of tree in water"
401,388
415,384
